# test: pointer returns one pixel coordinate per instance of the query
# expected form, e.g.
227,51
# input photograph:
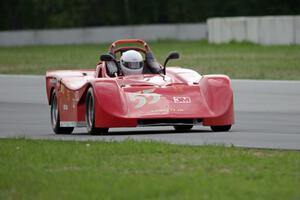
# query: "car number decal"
144,97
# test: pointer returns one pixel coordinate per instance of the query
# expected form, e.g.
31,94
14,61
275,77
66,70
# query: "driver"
131,63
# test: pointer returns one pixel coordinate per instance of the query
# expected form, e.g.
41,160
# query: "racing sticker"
144,97
75,99
65,107
182,100
62,88
76,96
53,81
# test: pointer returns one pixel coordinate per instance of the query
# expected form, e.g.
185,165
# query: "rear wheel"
220,128
55,119
90,115
183,127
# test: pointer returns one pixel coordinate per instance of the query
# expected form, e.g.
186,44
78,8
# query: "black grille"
167,122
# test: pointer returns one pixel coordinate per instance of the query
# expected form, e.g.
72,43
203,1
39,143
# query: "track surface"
267,116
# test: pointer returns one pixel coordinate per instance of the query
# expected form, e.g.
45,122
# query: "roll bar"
128,41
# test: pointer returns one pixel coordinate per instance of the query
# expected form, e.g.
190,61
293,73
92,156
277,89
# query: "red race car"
108,97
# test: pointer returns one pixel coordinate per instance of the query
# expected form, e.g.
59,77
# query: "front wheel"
55,119
90,115
220,128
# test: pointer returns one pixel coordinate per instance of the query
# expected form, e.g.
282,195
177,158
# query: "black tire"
55,119
90,115
183,127
220,128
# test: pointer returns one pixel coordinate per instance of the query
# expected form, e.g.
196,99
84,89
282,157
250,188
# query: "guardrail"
104,34
267,30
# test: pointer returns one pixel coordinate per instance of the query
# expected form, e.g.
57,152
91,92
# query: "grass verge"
238,60
33,169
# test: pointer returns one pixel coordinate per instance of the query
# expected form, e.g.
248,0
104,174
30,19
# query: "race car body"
104,98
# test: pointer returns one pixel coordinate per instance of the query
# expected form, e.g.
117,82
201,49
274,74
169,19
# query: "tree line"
42,14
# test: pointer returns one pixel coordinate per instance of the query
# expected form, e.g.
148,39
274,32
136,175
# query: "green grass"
33,169
238,60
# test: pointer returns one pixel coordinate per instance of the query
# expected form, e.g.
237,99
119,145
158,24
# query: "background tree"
41,14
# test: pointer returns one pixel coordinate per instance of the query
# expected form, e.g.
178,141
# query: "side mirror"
107,57
172,55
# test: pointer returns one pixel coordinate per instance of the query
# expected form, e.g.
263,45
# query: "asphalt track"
267,116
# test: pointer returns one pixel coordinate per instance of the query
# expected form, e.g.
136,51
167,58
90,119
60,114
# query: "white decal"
143,97
155,96
62,88
53,80
182,100
65,107
76,95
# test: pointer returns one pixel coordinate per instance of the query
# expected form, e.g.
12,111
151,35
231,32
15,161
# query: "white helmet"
131,63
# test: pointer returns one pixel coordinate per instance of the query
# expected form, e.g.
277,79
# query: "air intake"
168,122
